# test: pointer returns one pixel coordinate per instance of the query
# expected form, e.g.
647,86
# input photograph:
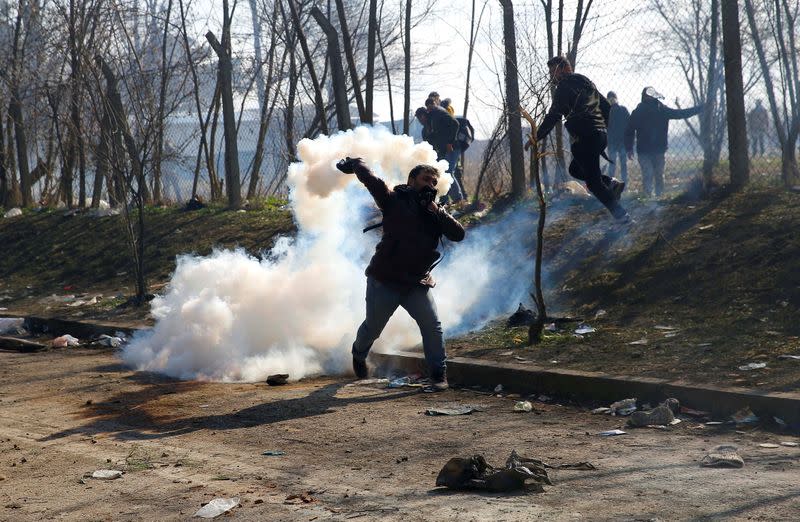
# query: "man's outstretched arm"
377,187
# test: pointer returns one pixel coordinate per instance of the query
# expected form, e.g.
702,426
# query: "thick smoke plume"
233,317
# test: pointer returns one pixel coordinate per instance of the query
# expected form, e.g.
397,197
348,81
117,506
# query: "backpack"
465,135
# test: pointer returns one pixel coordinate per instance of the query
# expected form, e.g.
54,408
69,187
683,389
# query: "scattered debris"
279,379
790,444
780,422
300,498
694,413
106,474
792,357
584,329
551,327
522,317
723,457
21,345
368,382
196,203
455,410
640,342
705,227
81,302
110,341
12,325
662,415
521,359
217,507
14,212
65,341
612,433
663,327
544,398
498,388
600,313
753,366
519,473
403,382
745,416
523,406
273,453
598,411
624,407
769,445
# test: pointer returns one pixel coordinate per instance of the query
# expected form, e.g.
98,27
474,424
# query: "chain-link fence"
668,46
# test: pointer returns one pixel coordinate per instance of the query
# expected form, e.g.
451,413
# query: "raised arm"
682,114
376,186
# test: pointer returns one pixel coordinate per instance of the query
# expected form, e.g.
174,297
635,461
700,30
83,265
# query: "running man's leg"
382,301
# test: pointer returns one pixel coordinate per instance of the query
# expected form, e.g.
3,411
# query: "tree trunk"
734,95
260,85
232,180
707,118
512,102
21,138
407,71
3,172
310,63
372,25
388,73
351,61
337,73
536,328
158,153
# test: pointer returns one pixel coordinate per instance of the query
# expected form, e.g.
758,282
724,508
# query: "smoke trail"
232,317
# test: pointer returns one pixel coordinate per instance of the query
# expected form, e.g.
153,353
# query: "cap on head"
611,94
446,102
652,93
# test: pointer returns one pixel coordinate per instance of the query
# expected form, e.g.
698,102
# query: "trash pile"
519,473
661,416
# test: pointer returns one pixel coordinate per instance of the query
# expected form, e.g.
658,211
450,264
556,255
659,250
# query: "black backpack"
465,135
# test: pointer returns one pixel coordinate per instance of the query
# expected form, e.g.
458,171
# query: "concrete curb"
593,386
528,379
76,328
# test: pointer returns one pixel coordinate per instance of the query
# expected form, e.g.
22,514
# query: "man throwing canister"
399,273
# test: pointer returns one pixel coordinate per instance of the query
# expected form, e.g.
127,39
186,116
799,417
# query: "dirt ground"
356,452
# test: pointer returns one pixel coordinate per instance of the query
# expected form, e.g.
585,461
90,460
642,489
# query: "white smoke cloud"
232,317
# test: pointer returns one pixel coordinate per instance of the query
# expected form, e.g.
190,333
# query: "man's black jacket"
577,100
649,123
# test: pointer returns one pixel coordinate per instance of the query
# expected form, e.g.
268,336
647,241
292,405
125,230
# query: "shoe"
360,368
617,187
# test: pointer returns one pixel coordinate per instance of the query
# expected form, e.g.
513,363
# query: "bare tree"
223,50
372,29
785,117
512,101
407,68
337,73
734,95
301,37
351,61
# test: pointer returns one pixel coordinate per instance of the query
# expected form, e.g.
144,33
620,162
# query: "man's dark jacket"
576,99
411,234
649,123
442,130
618,117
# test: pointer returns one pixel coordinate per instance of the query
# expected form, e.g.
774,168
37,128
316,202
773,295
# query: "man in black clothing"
649,124
585,110
439,129
617,121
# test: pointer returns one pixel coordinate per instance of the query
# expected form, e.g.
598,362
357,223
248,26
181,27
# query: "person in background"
617,122
441,134
758,127
649,127
585,110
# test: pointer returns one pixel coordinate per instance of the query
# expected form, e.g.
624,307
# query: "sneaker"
617,187
360,368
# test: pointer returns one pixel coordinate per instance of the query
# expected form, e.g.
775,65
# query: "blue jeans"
382,301
456,192
618,156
